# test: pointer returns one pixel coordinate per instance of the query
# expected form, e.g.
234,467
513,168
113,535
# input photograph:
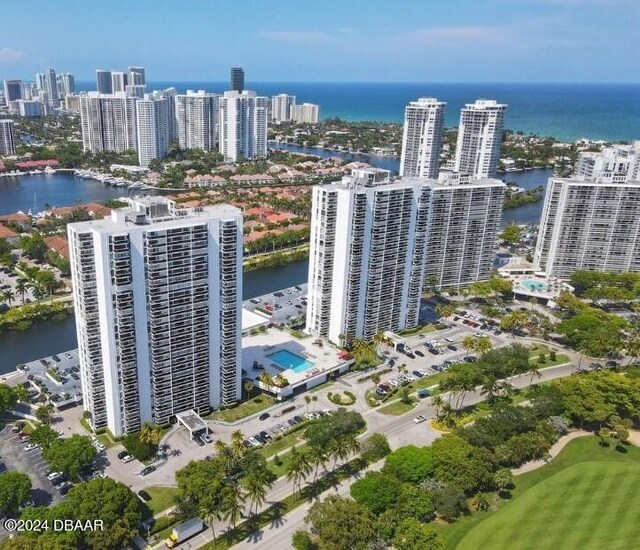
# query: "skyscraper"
592,220
118,81
479,138
154,126
103,82
51,87
464,223
307,113
137,76
108,122
12,90
281,106
7,137
137,90
66,84
422,138
157,291
197,120
367,258
242,123
236,79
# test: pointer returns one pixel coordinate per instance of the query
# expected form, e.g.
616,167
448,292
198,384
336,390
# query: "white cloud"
464,33
297,36
9,55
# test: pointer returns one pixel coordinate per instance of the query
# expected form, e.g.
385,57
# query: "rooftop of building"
157,212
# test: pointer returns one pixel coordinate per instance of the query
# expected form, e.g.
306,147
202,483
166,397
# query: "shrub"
450,502
288,409
375,447
552,355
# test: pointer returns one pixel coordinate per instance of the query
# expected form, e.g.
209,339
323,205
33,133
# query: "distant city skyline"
410,41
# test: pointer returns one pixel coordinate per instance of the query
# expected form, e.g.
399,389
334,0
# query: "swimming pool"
290,360
533,284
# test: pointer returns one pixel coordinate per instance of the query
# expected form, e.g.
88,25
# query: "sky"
327,40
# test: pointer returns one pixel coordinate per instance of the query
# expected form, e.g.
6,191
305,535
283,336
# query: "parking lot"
283,305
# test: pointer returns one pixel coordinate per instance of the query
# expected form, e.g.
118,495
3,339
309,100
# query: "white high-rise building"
480,138
242,124
615,164
281,106
51,87
307,113
587,224
40,82
422,138
108,122
154,126
137,76
464,224
136,90
103,82
367,258
66,84
7,137
157,294
30,108
197,120
118,81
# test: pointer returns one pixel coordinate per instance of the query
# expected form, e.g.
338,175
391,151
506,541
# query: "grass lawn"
424,329
398,407
588,497
280,445
254,405
285,458
161,498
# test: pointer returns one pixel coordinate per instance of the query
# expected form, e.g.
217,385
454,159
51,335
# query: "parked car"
127,458
146,497
30,447
419,353
419,418
380,392
64,487
264,416
207,438
417,373
53,475
25,505
611,363
433,351
422,393
146,471
452,347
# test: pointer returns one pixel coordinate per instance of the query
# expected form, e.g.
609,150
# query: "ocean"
565,111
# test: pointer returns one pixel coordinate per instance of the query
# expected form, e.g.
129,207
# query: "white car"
394,383
422,372
54,475
127,458
419,419
30,447
409,378
449,340
309,416
26,505
254,442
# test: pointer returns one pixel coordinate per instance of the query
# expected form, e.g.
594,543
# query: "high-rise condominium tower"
103,82
155,121
592,220
464,223
307,113
51,86
236,79
197,120
12,90
137,76
479,138
281,106
242,122
108,122
7,137
118,81
157,293
66,84
368,246
422,138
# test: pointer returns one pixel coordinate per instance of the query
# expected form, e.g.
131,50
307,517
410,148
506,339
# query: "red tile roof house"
258,211
10,236
23,220
58,244
279,218
252,179
204,181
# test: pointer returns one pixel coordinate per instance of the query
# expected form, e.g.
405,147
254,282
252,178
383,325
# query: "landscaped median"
252,406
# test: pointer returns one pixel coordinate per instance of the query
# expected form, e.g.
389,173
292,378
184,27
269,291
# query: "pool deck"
258,347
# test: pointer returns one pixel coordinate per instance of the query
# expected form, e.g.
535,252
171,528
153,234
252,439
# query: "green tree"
257,478
301,540
44,413
503,480
248,388
511,233
450,502
411,534
15,490
70,455
44,436
375,447
410,463
298,468
342,524
7,397
377,491
233,498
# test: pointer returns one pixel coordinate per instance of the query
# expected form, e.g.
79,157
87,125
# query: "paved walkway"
553,452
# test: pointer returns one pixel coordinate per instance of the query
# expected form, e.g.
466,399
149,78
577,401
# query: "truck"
183,531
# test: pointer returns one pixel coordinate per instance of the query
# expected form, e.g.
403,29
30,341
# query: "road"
401,430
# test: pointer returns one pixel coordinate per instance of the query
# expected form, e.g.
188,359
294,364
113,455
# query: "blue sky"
327,40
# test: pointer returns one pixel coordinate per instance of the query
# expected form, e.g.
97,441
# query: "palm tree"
21,288
437,403
8,296
237,437
534,370
210,512
490,387
266,379
449,414
445,310
298,468
255,485
248,387
314,398
343,447
149,435
469,343
226,456
232,503
307,399
483,345
320,457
